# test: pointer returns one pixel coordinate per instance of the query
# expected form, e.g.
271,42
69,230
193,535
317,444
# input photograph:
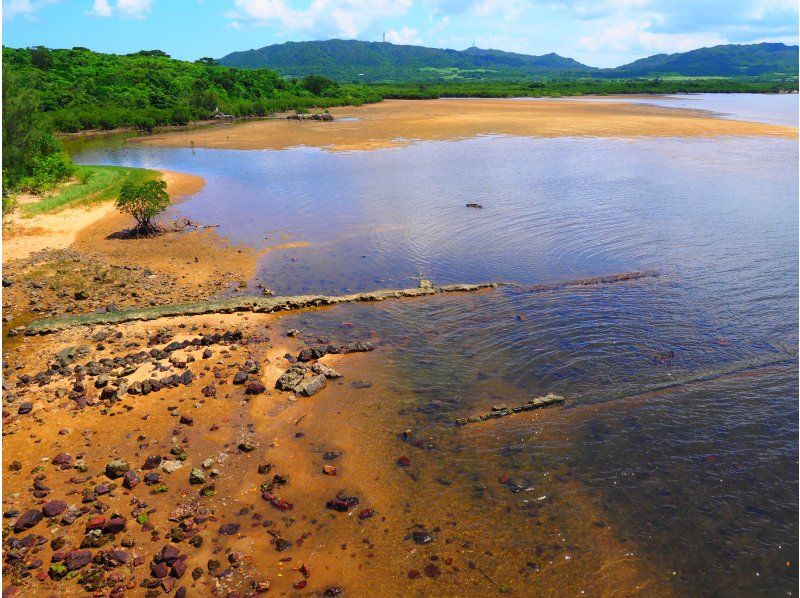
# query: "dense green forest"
381,62
370,62
576,87
79,89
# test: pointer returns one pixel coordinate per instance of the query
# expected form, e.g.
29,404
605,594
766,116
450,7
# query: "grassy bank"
102,183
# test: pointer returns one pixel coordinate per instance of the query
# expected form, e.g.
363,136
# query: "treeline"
79,89
46,91
578,87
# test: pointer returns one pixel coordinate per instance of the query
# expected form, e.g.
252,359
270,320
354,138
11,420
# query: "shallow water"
701,479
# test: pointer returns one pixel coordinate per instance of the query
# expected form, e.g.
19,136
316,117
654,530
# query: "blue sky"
596,32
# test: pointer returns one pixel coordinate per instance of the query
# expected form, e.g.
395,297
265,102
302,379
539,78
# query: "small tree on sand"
144,202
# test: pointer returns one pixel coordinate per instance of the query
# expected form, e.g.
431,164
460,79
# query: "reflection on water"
702,479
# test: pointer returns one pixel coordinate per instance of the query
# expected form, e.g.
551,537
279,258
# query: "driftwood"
243,304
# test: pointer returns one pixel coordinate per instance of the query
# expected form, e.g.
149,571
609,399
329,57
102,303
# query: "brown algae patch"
395,123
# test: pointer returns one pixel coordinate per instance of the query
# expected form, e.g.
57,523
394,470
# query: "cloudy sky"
596,32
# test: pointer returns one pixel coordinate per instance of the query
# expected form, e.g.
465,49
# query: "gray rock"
310,386
291,377
327,371
171,466
197,476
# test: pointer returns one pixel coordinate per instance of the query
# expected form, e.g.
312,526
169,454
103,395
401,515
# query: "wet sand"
473,549
395,123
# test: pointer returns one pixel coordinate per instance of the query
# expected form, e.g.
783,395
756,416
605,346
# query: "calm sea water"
703,478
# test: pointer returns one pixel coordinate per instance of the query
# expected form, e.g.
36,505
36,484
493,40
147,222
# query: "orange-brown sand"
397,122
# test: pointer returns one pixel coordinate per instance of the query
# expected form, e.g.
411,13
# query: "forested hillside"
355,60
373,62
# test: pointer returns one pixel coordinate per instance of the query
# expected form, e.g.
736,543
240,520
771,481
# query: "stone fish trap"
785,354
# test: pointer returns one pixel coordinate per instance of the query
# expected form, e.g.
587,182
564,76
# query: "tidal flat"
143,457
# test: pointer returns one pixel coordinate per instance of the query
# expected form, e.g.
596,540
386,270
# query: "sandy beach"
395,123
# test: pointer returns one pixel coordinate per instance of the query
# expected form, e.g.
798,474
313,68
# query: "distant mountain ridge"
355,60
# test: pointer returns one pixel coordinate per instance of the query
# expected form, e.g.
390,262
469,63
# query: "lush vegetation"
79,89
93,184
755,60
144,202
33,160
368,62
577,87
373,62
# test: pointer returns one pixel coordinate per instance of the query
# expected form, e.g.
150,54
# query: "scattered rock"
310,386
117,468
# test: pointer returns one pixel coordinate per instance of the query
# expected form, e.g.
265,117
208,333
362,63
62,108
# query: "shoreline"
422,523
396,123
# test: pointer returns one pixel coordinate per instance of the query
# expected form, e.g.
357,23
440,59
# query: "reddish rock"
178,569
159,570
54,508
77,559
27,520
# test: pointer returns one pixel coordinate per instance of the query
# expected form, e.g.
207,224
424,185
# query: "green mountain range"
354,60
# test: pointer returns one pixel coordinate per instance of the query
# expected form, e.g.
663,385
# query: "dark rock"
117,468
54,508
343,504
77,559
178,569
229,529
130,480
422,537
159,570
240,377
27,520
61,459
114,525
152,462
254,388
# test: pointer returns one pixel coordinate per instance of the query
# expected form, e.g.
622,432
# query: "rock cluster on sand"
307,380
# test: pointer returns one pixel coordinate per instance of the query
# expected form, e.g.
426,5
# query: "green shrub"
144,202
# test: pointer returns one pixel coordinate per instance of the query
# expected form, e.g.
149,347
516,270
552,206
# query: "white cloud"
126,9
134,9
762,8
25,8
346,18
405,36
100,8
635,36
507,9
